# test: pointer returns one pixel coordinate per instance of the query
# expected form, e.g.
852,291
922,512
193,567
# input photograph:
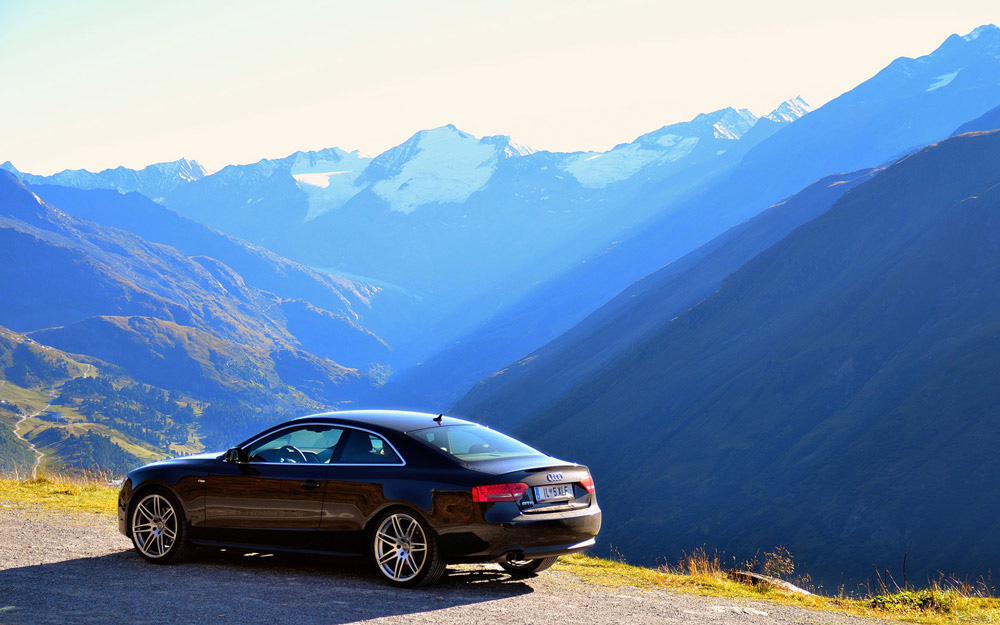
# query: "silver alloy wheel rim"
519,564
154,526
400,547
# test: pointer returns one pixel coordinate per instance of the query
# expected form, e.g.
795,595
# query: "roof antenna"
438,419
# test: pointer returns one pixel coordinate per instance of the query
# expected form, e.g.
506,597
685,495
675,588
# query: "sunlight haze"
100,84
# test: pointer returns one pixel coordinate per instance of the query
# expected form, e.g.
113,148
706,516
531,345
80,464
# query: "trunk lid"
502,466
553,486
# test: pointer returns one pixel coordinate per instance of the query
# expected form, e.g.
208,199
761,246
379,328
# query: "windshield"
472,443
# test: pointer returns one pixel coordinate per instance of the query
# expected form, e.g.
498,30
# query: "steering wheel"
292,451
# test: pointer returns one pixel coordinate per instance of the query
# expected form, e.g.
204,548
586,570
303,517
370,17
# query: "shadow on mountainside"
228,588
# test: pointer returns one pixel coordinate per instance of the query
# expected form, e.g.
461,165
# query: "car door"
274,497
363,463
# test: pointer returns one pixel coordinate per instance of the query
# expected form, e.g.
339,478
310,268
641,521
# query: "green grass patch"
28,400
915,601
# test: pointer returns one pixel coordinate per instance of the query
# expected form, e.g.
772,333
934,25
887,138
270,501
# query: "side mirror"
236,455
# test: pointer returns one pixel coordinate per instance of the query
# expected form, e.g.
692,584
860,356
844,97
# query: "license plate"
551,493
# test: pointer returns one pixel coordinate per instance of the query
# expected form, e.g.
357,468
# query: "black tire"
157,526
401,541
523,568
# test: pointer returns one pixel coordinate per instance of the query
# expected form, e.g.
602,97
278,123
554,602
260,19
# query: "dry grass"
703,574
87,493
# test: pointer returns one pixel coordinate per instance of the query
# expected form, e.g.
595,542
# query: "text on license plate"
556,491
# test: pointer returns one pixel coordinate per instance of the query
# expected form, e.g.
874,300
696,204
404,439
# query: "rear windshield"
472,443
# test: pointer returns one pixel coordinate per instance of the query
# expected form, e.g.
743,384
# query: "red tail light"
588,483
499,492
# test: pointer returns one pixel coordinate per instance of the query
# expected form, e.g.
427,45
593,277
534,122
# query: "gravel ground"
75,568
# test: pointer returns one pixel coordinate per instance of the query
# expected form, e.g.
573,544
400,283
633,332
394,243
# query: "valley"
785,324
55,427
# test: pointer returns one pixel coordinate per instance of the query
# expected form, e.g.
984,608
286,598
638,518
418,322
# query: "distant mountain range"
460,223
478,221
154,181
893,113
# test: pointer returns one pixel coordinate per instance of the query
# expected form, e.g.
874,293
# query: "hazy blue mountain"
178,322
463,224
440,166
463,212
910,103
261,201
449,227
154,181
364,309
836,394
525,387
990,120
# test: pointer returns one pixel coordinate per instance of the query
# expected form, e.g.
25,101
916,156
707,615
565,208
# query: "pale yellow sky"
100,84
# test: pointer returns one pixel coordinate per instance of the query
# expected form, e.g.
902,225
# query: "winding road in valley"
17,433
61,568
38,453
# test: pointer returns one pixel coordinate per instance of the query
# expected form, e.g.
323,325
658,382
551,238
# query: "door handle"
310,484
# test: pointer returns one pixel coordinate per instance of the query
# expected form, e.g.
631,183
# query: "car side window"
312,444
366,448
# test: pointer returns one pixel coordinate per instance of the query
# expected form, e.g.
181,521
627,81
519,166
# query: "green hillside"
71,412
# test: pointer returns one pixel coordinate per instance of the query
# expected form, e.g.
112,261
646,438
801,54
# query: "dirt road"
64,568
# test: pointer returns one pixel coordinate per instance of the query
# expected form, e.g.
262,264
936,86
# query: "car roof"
398,420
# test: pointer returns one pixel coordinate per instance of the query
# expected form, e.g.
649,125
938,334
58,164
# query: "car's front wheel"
521,568
404,550
158,527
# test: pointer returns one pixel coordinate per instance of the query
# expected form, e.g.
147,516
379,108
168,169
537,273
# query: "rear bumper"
525,536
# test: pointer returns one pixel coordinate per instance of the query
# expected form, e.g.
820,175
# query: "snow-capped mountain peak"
667,145
328,177
434,166
982,40
789,110
733,123
968,58
985,29
986,37
330,159
441,165
508,147
154,181
184,168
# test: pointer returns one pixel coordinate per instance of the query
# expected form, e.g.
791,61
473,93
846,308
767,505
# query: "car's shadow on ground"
228,587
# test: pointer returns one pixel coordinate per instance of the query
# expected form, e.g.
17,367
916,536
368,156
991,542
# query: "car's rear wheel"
404,550
158,527
520,568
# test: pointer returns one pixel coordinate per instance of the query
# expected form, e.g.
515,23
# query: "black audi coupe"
413,492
